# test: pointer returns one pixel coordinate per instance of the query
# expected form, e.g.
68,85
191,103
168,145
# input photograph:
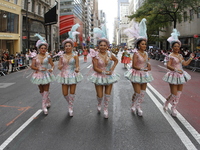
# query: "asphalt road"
23,125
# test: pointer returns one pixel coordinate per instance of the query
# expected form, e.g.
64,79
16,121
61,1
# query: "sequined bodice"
44,63
176,62
68,64
142,61
102,65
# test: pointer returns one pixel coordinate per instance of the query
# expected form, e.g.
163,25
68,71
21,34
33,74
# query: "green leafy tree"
163,13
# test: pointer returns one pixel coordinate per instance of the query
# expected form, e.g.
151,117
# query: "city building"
72,12
33,22
88,23
10,26
189,31
121,23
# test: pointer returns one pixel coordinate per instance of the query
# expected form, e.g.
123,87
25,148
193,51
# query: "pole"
26,27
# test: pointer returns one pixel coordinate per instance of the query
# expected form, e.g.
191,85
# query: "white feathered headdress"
72,35
41,41
174,37
137,31
101,34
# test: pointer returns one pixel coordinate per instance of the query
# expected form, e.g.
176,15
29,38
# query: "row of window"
15,1
191,15
36,7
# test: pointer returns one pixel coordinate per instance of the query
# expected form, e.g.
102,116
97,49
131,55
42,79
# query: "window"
185,16
39,9
198,12
33,6
15,2
45,9
9,22
191,14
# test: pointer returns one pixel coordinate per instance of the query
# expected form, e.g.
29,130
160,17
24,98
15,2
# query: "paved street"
23,125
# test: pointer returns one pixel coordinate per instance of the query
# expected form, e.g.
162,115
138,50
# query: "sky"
110,9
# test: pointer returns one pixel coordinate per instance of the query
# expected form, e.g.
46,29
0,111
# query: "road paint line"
163,67
89,66
183,137
187,125
5,143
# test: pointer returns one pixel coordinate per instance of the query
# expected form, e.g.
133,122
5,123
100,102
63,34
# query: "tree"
162,13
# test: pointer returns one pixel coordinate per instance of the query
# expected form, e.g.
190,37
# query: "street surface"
23,125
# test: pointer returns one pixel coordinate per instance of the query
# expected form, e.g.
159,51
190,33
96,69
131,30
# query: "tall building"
33,22
88,23
72,12
121,23
10,26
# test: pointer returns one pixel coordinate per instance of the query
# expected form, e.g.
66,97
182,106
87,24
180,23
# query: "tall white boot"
140,100
71,103
44,100
99,103
106,100
134,101
175,103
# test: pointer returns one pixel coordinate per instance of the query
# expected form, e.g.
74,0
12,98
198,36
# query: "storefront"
10,27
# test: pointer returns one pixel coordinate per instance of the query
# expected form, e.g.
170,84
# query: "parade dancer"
85,53
69,75
126,58
176,76
103,77
42,75
139,74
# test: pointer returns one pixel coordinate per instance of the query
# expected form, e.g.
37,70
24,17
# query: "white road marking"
183,137
5,143
187,125
89,66
5,85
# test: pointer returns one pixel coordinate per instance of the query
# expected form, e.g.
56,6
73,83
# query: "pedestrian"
42,75
104,64
139,74
85,53
69,74
176,76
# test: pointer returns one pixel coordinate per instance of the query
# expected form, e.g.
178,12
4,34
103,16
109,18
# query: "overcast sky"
110,9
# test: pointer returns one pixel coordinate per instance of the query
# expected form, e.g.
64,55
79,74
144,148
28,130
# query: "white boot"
71,103
44,100
106,100
134,101
174,104
140,100
99,103
168,100
48,103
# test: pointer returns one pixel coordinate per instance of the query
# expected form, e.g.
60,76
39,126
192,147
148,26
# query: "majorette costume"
139,76
99,78
102,78
67,74
126,58
174,77
42,77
